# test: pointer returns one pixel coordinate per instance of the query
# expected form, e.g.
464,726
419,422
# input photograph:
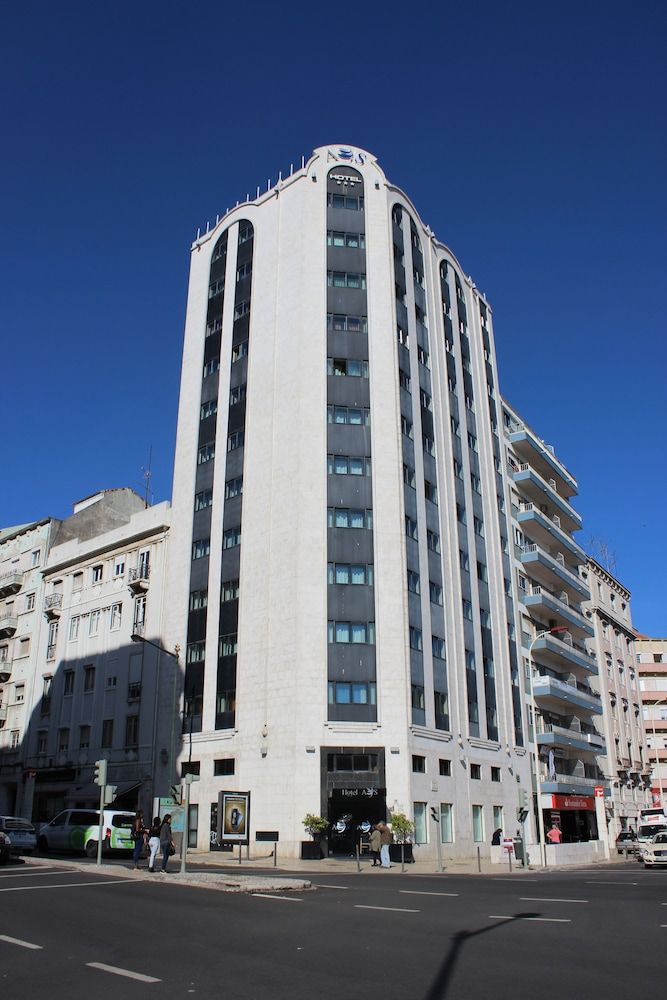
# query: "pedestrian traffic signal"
110,794
523,798
434,815
100,772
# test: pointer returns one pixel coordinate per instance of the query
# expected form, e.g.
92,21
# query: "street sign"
508,844
599,792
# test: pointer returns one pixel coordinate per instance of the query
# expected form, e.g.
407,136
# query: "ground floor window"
421,835
478,824
446,828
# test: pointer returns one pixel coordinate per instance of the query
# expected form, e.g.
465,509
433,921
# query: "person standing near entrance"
154,842
385,841
554,835
138,832
166,843
375,843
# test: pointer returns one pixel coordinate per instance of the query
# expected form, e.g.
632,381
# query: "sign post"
601,819
508,845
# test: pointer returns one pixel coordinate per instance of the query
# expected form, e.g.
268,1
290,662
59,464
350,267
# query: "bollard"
358,862
402,857
479,861
275,855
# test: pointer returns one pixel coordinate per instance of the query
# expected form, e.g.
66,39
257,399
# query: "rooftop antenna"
146,475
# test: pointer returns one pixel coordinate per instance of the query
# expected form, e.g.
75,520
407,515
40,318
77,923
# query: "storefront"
574,815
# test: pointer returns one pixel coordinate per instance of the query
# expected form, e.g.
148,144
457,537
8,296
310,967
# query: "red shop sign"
572,802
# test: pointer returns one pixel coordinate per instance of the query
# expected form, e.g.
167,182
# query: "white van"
78,830
651,822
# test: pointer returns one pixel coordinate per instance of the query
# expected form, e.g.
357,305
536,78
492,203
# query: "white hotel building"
342,574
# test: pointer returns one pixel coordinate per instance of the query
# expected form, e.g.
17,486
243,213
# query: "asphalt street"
589,933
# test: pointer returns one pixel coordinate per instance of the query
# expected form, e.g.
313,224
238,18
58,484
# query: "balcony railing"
140,573
569,779
53,601
51,651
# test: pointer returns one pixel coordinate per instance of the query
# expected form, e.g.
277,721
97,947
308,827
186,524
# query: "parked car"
5,848
655,852
627,841
78,830
21,833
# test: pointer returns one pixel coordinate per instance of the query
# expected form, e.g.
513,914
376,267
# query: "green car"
78,830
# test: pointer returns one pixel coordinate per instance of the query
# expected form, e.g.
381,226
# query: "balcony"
545,492
571,739
554,651
555,694
548,531
138,579
529,448
5,671
552,571
569,784
562,611
10,583
8,625
53,606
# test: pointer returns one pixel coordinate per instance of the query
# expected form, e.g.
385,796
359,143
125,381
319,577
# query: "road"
585,934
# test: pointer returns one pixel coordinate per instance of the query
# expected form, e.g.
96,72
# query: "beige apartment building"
652,666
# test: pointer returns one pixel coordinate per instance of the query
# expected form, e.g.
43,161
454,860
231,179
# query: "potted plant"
316,826
402,829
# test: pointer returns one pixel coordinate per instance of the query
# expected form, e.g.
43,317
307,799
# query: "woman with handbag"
138,832
166,843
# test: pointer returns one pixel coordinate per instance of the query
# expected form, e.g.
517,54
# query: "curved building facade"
342,574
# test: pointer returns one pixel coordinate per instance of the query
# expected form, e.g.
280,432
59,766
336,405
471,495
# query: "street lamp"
536,753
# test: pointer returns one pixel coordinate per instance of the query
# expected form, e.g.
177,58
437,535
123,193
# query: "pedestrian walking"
154,842
138,835
385,840
375,843
166,843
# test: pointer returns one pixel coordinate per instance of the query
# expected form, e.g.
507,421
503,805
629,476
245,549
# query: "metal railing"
138,574
53,601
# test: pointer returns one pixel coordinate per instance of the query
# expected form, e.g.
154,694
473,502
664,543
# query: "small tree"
401,827
315,825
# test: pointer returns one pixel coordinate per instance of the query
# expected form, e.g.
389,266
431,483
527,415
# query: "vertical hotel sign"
233,817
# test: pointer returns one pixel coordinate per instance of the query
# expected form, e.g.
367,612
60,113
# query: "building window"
478,824
438,647
111,682
431,492
411,528
68,678
355,415
35,558
445,768
467,609
223,766
349,573
233,488
206,453
244,271
464,561
344,323
203,499
413,582
139,611
30,602
196,652
241,309
497,817
350,367
42,741
89,678
237,394
495,774
74,628
476,772
24,646
346,279
338,239
198,600
208,409
351,693
94,623
107,733
77,581
115,618
345,465
446,826
346,517
132,731
201,548
435,592
418,764
420,822
416,638
354,203
239,351
235,440
84,737
228,644
433,540
14,739
404,380
119,567
211,367
417,697
353,632
19,693
63,740
409,476
441,710
98,573
231,538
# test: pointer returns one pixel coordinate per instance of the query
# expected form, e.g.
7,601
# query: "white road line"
497,878
544,920
418,892
69,885
545,899
22,944
392,909
321,885
60,871
122,972
267,895
601,882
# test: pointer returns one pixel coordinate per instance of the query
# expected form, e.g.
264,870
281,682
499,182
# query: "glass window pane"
446,823
341,518
357,574
356,518
342,694
342,573
354,415
358,632
356,466
359,694
340,465
342,631
340,415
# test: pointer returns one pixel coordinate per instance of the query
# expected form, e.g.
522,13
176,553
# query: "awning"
90,794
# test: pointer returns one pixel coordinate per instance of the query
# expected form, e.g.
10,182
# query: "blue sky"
530,137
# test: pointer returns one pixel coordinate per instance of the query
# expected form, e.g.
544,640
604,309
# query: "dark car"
627,841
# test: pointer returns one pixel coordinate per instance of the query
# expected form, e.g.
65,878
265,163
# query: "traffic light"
434,814
110,794
522,811
100,772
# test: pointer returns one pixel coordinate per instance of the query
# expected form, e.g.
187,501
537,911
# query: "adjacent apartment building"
367,543
84,689
626,762
652,666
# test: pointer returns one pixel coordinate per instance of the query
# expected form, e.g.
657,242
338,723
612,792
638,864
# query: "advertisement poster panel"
234,817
